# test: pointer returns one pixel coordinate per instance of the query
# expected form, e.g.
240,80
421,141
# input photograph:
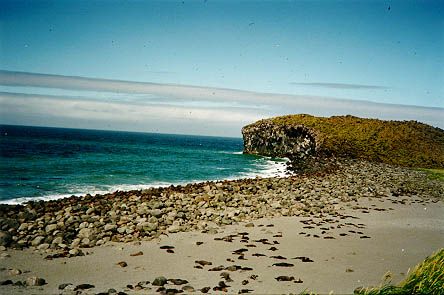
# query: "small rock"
6,282
14,272
251,224
90,210
217,268
233,267
74,252
178,281
226,276
50,228
284,278
156,213
203,262
137,253
35,281
19,284
166,247
63,286
174,229
122,264
23,226
57,240
283,264
304,259
109,227
37,241
43,246
278,257
205,289
159,281
83,287
188,288
5,238
222,284
171,291
85,233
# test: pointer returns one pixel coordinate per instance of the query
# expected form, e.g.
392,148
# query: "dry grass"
426,278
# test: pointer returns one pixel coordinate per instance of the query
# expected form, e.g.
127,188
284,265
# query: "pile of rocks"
80,222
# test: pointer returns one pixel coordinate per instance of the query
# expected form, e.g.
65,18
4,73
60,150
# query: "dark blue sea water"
48,163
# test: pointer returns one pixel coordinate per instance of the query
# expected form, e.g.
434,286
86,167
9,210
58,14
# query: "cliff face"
300,137
269,139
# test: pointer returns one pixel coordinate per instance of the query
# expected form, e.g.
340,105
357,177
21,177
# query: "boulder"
37,241
86,233
50,228
5,238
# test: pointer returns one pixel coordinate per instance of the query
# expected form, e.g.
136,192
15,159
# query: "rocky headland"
326,199
307,139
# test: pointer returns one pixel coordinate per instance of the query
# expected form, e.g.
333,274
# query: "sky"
210,67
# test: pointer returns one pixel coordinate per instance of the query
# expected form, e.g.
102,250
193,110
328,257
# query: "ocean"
43,163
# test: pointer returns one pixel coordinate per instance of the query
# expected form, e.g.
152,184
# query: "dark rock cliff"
269,139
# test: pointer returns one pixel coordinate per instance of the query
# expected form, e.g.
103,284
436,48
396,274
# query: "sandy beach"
352,244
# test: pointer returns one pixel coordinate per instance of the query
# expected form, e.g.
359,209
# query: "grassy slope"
406,143
426,278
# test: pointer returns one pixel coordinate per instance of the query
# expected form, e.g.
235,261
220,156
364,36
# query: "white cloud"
144,117
124,105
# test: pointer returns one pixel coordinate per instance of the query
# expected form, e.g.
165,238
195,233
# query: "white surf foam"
267,167
264,167
82,191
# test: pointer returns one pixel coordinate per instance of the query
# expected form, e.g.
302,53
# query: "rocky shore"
70,230
68,225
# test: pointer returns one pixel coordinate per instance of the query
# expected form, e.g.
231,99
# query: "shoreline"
362,207
280,168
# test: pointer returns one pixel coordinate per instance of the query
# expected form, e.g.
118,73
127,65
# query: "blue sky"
386,52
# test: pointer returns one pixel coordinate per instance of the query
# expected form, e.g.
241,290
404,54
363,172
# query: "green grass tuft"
433,174
426,278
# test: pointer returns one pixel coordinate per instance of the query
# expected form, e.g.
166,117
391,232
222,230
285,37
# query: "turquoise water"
49,163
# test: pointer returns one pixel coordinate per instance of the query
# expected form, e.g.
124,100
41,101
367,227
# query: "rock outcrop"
306,138
269,139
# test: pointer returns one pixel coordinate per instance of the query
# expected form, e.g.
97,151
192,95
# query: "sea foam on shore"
264,167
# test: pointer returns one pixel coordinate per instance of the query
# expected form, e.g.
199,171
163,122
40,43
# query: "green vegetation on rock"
434,173
426,278
405,143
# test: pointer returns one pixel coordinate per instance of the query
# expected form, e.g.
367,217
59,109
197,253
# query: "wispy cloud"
341,85
125,105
